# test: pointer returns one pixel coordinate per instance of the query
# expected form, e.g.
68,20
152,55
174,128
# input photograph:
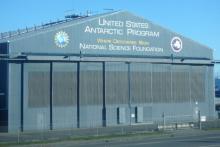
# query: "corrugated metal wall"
116,83
14,100
36,96
141,95
116,74
64,95
198,78
38,89
141,83
91,94
161,83
180,83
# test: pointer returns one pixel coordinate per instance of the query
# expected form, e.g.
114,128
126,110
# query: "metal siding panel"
140,114
91,84
38,89
64,84
111,115
141,83
147,113
121,115
116,83
180,83
14,97
36,116
198,83
64,95
161,86
90,116
210,91
91,94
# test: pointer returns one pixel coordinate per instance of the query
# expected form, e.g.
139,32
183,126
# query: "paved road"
198,139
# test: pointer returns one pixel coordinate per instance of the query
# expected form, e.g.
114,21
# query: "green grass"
89,138
112,136
212,129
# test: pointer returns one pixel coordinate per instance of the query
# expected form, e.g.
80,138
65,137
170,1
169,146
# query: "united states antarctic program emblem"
61,39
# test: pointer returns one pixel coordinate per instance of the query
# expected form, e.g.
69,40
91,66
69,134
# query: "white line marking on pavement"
137,144
214,145
213,137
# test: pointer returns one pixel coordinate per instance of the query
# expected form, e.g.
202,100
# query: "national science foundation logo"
61,39
176,44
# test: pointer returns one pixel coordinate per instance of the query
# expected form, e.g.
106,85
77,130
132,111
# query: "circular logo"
176,44
61,39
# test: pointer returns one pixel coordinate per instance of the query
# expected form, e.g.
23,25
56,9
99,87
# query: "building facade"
103,70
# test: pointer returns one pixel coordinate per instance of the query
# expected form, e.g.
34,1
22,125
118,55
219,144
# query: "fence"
44,134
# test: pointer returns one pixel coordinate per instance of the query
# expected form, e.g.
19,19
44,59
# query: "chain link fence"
44,134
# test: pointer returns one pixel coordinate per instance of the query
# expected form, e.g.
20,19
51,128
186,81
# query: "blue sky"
196,19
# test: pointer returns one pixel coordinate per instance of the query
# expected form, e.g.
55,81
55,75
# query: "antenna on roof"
108,9
88,13
72,16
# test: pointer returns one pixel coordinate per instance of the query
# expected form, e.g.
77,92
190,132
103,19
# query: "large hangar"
103,70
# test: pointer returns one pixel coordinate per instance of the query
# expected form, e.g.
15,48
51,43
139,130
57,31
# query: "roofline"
18,32
11,34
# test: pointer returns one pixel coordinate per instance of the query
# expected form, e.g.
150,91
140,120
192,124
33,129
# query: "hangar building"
106,70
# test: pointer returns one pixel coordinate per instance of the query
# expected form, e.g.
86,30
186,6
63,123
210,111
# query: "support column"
22,98
104,102
129,90
51,96
78,94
